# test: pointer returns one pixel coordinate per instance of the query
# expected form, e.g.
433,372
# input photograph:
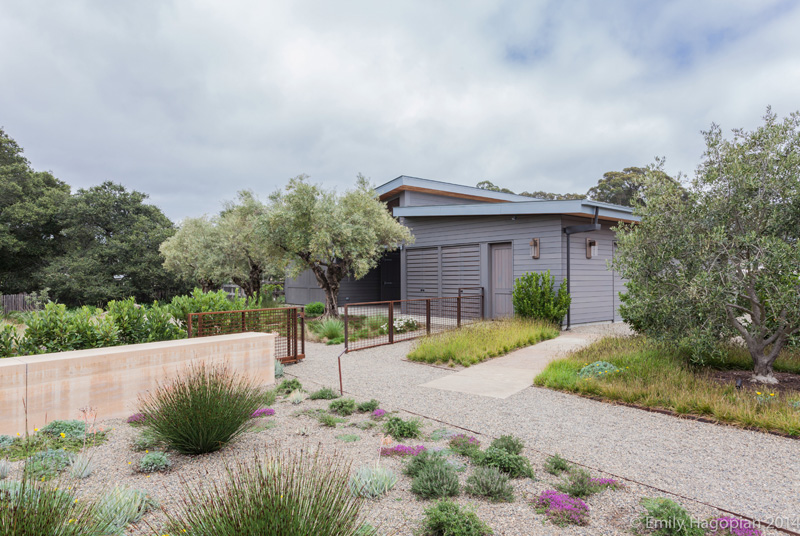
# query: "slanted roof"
571,207
404,182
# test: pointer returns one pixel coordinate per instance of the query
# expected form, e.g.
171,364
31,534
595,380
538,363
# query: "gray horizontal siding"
304,289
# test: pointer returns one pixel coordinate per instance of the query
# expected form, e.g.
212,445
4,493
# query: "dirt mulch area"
788,383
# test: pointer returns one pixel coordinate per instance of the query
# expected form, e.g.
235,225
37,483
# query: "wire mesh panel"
286,322
378,323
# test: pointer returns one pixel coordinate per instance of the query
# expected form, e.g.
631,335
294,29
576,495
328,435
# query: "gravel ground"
746,472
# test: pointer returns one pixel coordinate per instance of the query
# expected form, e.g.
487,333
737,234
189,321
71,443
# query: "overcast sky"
190,101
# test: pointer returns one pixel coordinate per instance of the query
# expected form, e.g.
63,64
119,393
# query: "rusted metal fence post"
428,316
189,324
391,322
345,340
458,310
244,322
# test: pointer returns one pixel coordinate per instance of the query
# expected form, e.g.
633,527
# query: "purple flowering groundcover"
562,509
402,450
262,412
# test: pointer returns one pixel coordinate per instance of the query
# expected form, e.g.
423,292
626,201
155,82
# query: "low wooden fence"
287,322
18,302
371,324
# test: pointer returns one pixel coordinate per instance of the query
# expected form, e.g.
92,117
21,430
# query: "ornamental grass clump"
200,411
491,483
446,518
400,429
561,509
296,494
372,481
514,465
434,481
30,508
82,466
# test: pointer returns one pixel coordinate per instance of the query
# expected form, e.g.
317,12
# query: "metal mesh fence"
378,323
286,322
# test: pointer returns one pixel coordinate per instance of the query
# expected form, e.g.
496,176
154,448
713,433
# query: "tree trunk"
329,281
762,371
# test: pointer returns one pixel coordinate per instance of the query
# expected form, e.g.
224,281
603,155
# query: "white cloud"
191,101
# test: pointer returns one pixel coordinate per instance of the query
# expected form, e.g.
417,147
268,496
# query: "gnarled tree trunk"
329,280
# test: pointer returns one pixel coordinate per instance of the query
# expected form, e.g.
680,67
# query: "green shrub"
73,429
140,323
331,328
400,429
368,407
491,483
423,460
326,393
55,329
465,445
664,517
579,483
555,465
30,508
153,462
435,481
329,420
279,372
203,302
145,440
202,410
343,406
372,482
509,443
268,397
9,341
533,297
47,464
315,309
446,518
515,465
287,386
292,495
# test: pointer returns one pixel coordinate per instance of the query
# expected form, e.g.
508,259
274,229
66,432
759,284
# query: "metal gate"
287,322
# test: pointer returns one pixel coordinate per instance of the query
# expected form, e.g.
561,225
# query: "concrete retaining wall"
56,386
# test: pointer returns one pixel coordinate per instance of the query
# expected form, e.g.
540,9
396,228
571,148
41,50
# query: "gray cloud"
191,101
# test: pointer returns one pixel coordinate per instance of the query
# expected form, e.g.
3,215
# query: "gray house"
469,237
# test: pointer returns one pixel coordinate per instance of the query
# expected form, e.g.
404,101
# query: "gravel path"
747,472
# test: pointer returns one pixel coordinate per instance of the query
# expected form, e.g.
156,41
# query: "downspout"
570,230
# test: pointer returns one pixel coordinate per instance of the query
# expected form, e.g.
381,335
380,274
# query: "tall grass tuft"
201,411
331,328
654,376
481,341
291,494
30,508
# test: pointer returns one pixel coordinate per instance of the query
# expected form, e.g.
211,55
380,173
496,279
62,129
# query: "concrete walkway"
504,376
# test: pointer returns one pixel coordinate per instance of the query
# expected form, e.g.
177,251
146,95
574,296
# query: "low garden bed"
481,341
305,452
636,371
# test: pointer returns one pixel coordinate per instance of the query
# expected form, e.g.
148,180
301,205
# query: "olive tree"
192,253
333,235
720,259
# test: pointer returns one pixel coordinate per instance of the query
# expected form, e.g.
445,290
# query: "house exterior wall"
594,286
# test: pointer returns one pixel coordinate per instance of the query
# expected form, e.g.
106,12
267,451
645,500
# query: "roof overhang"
414,184
572,207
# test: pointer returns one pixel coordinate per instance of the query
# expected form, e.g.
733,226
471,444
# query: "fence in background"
18,302
287,322
377,323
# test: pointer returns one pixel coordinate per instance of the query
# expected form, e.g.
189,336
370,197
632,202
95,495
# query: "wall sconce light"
534,248
591,248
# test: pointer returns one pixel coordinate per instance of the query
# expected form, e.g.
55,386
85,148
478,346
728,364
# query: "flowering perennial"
378,413
732,526
562,509
402,450
606,483
262,412
136,418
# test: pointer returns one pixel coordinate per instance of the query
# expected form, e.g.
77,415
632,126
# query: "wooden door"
502,280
